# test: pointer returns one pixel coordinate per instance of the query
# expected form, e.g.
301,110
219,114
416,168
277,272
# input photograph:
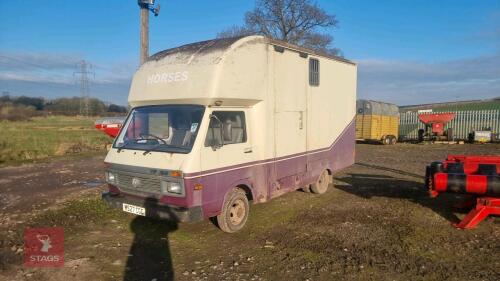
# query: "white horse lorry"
217,124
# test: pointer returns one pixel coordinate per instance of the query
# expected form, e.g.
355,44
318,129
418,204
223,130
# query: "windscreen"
165,128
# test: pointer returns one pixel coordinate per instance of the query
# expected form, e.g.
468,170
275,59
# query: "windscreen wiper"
156,145
154,136
123,146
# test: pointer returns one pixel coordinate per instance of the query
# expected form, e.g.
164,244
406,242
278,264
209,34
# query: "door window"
228,128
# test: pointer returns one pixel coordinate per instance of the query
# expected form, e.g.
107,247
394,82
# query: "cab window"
230,130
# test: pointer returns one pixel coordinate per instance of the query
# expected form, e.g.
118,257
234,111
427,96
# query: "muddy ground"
33,187
375,223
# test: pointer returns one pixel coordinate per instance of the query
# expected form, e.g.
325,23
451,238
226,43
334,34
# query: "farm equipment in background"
434,126
483,136
476,176
110,125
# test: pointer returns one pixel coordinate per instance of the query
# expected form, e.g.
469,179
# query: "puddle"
93,183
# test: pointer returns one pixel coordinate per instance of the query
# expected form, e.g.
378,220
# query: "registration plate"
134,209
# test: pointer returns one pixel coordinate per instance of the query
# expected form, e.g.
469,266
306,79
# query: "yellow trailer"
377,121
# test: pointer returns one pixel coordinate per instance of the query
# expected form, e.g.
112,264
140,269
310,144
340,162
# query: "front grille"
143,183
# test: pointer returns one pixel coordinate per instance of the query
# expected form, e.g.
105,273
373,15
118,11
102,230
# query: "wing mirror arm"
216,144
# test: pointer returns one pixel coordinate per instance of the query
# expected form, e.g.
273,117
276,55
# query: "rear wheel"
386,140
234,212
394,140
321,185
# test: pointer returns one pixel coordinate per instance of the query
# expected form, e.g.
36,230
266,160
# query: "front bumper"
154,209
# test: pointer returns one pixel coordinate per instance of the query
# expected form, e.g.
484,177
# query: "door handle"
247,150
301,120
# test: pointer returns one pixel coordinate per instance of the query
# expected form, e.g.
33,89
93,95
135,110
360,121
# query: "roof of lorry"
221,44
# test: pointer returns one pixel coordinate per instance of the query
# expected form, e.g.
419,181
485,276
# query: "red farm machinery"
476,176
434,126
110,125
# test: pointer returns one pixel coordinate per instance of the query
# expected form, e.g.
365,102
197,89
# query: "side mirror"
217,142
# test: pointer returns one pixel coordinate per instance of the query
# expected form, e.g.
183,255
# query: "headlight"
174,187
171,187
110,177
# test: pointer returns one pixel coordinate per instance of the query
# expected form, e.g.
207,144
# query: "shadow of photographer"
150,256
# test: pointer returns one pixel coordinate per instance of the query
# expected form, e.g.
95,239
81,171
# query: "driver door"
227,144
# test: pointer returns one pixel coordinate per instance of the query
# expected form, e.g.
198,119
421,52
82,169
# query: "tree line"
23,107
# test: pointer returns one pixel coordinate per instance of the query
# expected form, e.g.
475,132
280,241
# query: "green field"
44,137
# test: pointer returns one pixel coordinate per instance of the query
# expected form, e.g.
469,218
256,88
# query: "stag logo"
44,247
46,244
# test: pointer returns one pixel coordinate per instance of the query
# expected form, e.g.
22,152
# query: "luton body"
218,125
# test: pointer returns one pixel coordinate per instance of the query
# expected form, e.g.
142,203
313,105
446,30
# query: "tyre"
394,140
386,140
234,212
321,185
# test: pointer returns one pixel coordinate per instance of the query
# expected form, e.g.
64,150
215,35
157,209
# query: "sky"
408,52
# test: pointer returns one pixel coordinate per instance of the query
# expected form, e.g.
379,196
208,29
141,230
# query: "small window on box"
313,72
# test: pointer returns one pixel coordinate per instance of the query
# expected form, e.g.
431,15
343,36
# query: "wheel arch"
248,190
329,170
243,184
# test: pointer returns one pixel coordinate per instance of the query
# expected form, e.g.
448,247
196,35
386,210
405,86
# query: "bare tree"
235,31
300,22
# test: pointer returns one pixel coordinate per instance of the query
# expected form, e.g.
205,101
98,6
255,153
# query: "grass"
77,214
44,137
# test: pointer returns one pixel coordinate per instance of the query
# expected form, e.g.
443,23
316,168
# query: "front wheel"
234,212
